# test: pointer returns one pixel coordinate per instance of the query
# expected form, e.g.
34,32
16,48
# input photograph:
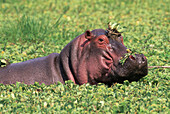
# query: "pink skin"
96,65
98,60
89,60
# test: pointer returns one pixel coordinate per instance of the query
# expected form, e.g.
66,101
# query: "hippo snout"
134,68
137,67
138,60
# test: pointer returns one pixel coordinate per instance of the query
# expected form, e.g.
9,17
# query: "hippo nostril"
143,58
132,57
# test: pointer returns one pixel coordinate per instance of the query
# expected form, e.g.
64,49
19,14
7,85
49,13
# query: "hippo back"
42,70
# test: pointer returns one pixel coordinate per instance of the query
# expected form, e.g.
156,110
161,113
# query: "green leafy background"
36,28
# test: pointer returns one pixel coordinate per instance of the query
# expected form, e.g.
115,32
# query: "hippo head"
103,60
95,59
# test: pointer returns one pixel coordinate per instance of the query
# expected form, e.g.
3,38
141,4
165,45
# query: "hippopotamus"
92,57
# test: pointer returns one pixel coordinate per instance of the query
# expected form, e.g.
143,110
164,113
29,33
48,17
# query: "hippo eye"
101,40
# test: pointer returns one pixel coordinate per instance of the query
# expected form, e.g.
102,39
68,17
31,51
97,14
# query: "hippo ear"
88,35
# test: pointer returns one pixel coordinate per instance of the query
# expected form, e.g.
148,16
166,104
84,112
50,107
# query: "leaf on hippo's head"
114,30
3,62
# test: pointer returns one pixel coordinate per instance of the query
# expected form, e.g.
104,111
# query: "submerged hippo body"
90,58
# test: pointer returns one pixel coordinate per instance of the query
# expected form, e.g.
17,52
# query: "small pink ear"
88,35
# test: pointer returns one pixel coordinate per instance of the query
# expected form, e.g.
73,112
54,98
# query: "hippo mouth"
133,69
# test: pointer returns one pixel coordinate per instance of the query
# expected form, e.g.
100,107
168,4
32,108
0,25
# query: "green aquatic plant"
3,62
